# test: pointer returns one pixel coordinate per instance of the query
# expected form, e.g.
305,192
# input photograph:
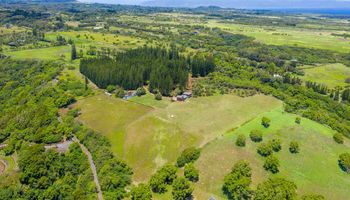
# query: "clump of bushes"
191,173
344,162
140,91
271,164
265,149
298,120
182,189
142,191
265,122
158,96
236,183
111,88
240,141
256,136
188,155
338,138
119,92
294,147
163,177
275,145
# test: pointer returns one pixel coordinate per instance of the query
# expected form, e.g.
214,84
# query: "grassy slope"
314,169
148,138
289,36
110,116
50,53
331,74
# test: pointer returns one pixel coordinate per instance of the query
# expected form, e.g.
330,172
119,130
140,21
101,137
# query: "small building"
129,95
181,97
188,94
96,28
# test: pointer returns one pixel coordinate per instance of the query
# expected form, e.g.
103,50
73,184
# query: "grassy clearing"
110,116
315,168
13,29
81,38
321,39
148,138
209,117
50,53
331,75
148,100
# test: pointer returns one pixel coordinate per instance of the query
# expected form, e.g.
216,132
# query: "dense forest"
163,69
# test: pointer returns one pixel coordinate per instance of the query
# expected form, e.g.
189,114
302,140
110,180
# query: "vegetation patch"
314,168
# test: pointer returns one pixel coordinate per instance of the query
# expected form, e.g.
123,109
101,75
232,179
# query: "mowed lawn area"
322,39
149,137
314,169
331,75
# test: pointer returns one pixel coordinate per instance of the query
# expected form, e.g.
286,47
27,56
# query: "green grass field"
86,38
50,53
314,169
149,137
331,75
321,39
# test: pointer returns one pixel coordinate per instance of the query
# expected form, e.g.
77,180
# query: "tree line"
163,69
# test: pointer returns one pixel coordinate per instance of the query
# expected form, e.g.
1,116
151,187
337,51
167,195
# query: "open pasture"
50,53
321,39
315,168
86,38
331,75
149,137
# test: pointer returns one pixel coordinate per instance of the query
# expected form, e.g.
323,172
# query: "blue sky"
236,3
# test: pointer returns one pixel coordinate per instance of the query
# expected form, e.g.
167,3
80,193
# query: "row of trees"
237,186
163,69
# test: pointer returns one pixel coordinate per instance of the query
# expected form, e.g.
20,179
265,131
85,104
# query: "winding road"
92,166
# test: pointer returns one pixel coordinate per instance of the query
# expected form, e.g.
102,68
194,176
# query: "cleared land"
149,137
50,53
315,168
321,39
87,38
331,75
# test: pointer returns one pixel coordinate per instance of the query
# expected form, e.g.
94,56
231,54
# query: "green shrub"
141,192
265,122
120,92
111,88
188,155
191,173
256,136
237,182
158,96
271,164
344,162
163,177
140,91
240,141
264,149
298,120
276,189
182,189
338,138
294,147
275,144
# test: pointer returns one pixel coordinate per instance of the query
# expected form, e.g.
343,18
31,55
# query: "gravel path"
93,168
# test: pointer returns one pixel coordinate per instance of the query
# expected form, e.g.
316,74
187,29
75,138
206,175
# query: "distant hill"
35,1
251,3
